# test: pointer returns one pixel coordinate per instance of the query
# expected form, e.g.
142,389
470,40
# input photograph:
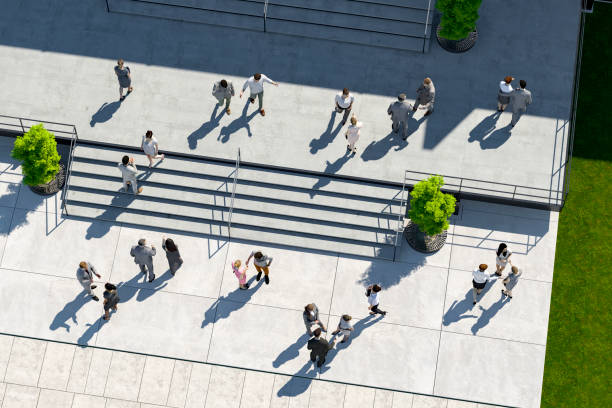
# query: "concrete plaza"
432,341
61,69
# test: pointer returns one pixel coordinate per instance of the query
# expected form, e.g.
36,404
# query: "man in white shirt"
344,103
372,293
479,281
255,84
129,171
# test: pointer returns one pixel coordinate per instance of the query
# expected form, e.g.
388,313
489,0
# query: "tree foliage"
458,18
430,208
37,151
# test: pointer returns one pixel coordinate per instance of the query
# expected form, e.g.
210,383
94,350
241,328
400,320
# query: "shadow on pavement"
327,137
234,300
487,314
299,382
290,352
69,312
205,129
104,113
378,149
241,122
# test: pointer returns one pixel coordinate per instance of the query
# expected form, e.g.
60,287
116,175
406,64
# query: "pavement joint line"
107,373
42,363
496,338
142,377
242,389
208,386
189,383
9,359
527,279
170,385
7,235
272,392
501,213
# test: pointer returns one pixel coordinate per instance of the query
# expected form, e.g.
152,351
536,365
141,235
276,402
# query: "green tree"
37,150
458,18
430,208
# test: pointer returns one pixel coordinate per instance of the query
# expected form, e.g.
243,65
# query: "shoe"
511,125
313,360
267,280
152,279
246,285
252,100
348,147
335,332
474,303
384,313
258,276
94,286
414,109
263,112
427,113
343,341
139,190
94,297
342,123
228,111
509,298
122,98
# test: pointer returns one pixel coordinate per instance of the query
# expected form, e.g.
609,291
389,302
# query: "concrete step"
363,9
417,4
220,214
345,35
231,13
238,232
278,178
243,204
347,21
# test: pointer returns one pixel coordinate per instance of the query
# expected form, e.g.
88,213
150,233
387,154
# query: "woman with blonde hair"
240,274
352,134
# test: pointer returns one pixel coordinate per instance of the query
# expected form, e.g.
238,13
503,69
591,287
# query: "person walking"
373,302
399,112
311,317
85,274
521,98
124,77
344,327
344,103
111,298
502,258
319,347
150,147
479,281
223,91
510,282
143,256
240,274
504,92
129,171
172,254
262,264
352,134
426,94
255,84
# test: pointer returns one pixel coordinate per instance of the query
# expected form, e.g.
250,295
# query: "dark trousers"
375,309
313,358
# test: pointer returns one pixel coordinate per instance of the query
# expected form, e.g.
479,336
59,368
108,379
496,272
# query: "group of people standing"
480,278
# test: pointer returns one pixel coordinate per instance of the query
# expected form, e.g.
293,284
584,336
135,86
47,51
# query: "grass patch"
577,371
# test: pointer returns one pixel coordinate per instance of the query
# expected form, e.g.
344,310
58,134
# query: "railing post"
22,128
265,17
514,193
107,8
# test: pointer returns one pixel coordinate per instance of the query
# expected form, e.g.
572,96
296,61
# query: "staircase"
280,207
398,24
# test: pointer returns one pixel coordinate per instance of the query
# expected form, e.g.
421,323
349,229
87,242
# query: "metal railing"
60,130
231,210
400,220
426,24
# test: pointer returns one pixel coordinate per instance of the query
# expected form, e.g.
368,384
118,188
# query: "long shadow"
93,329
458,310
158,284
235,300
331,168
389,274
205,129
69,312
378,149
291,351
127,290
358,327
488,314
497,138
327,137
299,382
104,113
241,122
120,201
484,128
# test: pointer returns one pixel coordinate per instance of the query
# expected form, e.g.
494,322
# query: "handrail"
231,210
400,219
69,171
265,15
426,24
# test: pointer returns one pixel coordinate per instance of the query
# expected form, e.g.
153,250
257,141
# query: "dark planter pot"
54,185
423,242
457,46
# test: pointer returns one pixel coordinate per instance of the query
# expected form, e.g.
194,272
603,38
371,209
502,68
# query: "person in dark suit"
319,347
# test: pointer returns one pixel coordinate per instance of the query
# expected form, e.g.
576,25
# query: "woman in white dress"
352,134
344,327
151,147
503,93
502,258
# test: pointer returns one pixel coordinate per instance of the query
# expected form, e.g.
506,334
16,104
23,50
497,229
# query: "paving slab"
198,385
98,371
156,379
413,366
327,394
56,366
9,192
125,376
6,216
384,399
20,396
6,344
79,370
293,392
179,385
412,294
462,355
26,361
424,401
359,397
54,399
257,390
88,401
495,315
117,403
2,391
225,387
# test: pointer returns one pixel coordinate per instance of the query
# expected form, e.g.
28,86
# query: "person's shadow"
291,351
331,168
205,129
104,113
127,290
485,127
234,300
458,310
241,122
116,207
158,284
299,381
92,329
69,312
378,149
327,137
488,314
497,138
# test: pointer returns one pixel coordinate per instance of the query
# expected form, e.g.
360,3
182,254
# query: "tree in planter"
458,18
37,150
430,208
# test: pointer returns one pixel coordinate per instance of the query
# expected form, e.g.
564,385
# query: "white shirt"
481,276
344,103
507,88
373,298
256,86
352,133
149,146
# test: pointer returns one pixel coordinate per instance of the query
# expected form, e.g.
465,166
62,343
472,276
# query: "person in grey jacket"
223,91
124,77
128,172
172,254
399,111
311,318
143,256
85,274
520,98
426,94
